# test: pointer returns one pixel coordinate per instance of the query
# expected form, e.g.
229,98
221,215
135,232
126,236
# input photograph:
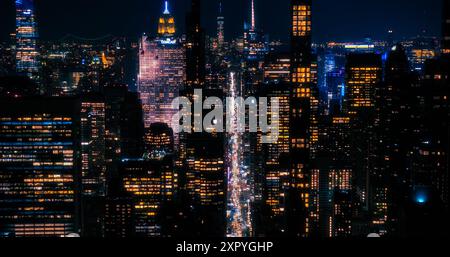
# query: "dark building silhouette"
433,160
331,179
446,27
273,180
27,55
300,119
195,47
398,131
363,79
118,217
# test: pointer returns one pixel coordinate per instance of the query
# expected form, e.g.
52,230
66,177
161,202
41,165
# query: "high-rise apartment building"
301,79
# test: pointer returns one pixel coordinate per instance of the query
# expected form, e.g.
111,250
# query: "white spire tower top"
166,10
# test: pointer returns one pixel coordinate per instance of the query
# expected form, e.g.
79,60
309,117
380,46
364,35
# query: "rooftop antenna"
166,10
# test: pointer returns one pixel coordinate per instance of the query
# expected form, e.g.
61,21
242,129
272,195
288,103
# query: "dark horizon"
333,21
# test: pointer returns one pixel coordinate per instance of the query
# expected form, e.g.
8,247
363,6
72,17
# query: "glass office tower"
26,39
38,167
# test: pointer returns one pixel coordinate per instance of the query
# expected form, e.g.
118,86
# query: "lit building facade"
331,180
93,144
255,45
276,167
150,184
277,69
26,39
39,170
161,72
363,76
432,165
166,23
362,105
220,28
300,118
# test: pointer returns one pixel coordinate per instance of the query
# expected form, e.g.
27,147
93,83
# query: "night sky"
333,19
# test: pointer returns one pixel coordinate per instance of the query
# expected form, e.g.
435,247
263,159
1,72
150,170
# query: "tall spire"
166,7
253,15
220,26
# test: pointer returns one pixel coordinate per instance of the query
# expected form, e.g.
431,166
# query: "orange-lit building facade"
300,117
150,185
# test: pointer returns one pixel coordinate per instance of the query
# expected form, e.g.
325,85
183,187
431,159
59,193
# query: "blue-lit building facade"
39,174
26,39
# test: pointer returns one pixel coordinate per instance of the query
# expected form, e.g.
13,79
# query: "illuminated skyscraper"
93,168
276,167
124,127
26,39
161,72
39,168
204,179
421,52
301,79
166,23
220,28
331,180
255,45
362,104
150,184
363,76
397,132
206,182
93,163
432,165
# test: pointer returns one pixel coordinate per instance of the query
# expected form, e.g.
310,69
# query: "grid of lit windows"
301,20
362,83
161,75
37,179
26,39
93,168
149,183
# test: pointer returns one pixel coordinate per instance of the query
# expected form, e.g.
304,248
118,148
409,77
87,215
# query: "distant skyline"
332,20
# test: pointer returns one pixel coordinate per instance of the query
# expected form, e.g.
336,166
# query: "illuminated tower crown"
166,24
